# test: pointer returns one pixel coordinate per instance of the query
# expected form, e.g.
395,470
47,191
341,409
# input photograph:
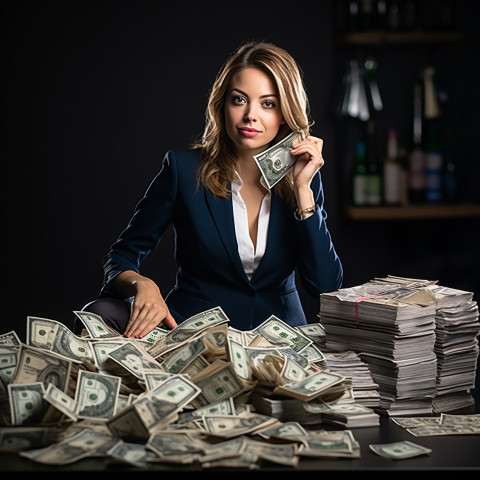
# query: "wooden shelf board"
391,38
412,212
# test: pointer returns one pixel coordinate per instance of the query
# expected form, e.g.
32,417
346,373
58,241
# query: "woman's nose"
250,114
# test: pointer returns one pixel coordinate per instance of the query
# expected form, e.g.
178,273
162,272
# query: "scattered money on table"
400,450
175,396
205,393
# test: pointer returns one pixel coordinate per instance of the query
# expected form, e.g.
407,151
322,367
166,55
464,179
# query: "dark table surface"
449,453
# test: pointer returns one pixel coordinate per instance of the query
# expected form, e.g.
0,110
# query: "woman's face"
252,111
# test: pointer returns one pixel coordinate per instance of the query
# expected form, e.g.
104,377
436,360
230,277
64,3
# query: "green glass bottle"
360,177
374,174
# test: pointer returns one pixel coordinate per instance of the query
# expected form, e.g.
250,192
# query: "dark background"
95,92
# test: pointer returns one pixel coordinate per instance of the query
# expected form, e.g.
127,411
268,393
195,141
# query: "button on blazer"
210,272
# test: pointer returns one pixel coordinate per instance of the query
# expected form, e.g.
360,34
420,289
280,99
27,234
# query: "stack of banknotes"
419,340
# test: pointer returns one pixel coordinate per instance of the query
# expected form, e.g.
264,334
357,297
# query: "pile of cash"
192,394
400,328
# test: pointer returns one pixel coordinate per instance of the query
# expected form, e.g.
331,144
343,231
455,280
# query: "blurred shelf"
413,212
380,38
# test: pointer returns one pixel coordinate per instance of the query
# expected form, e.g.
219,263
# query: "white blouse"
248,254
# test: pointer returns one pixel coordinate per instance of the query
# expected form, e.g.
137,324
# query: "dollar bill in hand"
275,162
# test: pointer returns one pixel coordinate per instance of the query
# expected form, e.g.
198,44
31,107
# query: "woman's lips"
248,132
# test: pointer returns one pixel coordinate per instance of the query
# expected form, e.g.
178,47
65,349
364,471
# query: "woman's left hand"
309,160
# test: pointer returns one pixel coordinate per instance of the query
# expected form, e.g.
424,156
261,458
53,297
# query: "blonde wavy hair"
218,160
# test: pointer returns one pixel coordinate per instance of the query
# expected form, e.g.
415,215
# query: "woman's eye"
238,99
268,104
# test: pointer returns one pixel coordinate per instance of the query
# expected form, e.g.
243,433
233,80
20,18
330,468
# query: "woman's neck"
248,169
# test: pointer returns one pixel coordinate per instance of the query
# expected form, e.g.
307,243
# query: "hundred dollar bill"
134,359
216,339
399,450
315,331
256,354
26,402
318,406
414,422
223,407
106,364
314,355
10,339
229,426
238,336
96,395
153,378
154,409
151,338
310,387
239,359
435,430
275,162
165,400
8,363
291,371
281,454
188,329
328,444
72,449
184,355
56,337
61,401
279,333
101,350
166,444
217,383
95,325
288,430
226,449
448,420
131,453
38,365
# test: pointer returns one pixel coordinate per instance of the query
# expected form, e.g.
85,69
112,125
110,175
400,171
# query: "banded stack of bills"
456,347
392,327
392,322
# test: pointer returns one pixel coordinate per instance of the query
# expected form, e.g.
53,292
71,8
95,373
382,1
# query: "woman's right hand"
148,308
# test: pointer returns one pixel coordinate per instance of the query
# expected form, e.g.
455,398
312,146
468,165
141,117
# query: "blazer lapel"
222,214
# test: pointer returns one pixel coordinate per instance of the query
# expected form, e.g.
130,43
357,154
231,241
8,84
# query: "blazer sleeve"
152,215
319,266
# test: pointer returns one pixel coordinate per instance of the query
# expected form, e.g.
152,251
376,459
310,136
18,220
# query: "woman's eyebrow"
261,96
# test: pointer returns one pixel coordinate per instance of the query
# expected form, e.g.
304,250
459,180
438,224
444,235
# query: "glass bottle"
374,178
392,171
416,179
359,177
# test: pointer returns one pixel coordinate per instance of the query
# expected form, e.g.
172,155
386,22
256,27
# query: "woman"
237,244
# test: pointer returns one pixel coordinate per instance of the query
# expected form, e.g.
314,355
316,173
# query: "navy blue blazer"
210,271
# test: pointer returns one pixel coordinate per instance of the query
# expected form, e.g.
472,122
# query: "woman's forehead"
253,81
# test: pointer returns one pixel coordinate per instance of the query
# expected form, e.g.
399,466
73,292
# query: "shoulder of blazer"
184,158
184,163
